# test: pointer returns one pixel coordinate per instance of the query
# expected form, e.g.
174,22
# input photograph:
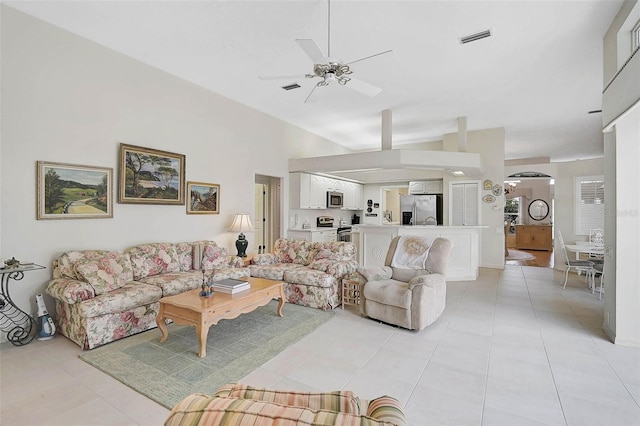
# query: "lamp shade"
241,223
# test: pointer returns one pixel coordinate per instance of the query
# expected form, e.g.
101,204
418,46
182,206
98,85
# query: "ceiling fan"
334,70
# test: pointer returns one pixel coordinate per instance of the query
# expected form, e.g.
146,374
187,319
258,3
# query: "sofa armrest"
387,409
343,401
234,261
264,259
429,280
70,291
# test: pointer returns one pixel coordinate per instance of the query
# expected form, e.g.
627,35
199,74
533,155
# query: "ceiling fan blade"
312,50
373,56
363,87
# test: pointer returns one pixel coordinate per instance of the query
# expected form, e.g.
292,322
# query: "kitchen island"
373,242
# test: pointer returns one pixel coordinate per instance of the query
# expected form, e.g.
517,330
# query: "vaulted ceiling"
538,75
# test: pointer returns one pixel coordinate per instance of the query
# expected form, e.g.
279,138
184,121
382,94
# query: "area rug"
519,255
167,372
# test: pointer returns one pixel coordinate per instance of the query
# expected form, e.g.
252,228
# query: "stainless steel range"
344,233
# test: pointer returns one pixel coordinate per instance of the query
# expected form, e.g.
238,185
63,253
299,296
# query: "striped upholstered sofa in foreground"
236,404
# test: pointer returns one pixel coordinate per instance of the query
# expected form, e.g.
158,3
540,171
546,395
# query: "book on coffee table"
230,285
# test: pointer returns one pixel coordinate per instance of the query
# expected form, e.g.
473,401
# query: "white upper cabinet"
308,191
425,187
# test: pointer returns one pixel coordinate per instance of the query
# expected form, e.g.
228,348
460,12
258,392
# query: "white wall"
489,143
66,99
621,117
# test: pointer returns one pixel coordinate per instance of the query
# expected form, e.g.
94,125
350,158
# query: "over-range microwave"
334,199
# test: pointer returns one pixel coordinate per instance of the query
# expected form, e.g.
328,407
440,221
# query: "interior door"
268,205
260,216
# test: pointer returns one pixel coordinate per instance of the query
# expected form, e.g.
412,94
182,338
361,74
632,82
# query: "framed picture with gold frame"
73,191
204,198
150,176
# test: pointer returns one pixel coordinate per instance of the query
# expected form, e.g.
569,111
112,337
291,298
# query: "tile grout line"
435,349
535,314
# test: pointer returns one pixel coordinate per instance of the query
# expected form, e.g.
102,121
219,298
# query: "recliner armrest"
375,273
429,280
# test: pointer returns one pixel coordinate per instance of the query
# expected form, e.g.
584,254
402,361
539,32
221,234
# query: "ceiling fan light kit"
330,69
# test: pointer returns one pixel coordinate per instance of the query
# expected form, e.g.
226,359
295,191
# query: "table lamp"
241,223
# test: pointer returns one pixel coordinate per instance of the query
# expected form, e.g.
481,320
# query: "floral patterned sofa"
102,296
312,272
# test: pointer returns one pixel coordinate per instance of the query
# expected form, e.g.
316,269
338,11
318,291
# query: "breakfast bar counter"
373,242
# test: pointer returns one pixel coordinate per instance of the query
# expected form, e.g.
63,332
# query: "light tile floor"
512,348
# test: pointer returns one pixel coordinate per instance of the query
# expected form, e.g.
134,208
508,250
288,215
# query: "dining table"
590,249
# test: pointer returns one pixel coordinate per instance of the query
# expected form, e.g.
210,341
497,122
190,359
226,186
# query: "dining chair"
598,268
585,266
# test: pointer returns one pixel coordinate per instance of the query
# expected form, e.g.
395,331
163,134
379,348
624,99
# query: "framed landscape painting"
71,191
204,198
150,176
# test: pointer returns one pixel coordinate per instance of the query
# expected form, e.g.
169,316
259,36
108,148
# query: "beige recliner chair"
410,290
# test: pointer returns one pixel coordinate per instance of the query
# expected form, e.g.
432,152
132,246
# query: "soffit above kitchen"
392,165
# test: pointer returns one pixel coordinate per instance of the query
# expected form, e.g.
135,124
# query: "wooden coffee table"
189,308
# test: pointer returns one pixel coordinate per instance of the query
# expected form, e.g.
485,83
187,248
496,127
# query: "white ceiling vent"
475,37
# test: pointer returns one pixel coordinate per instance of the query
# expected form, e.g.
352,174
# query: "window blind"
589,204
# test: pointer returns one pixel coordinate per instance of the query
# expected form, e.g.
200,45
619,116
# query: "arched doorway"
529,217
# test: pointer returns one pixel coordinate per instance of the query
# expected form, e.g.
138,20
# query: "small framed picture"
72,191
204,198
488,184
150,176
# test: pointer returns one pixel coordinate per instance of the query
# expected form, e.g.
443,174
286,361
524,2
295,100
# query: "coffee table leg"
161,324
281,302
202,331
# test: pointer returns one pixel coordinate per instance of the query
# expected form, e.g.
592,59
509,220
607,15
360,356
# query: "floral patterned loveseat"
312,272
102,296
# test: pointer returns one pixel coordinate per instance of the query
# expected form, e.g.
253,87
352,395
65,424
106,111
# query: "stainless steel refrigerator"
421,209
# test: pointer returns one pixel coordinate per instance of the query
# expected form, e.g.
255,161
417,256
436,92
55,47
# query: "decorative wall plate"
488,184
489,198
497,190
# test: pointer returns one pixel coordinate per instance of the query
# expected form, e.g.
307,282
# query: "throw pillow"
375,273
106,274
213,257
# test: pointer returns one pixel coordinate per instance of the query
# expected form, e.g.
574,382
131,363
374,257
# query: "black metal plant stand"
19,326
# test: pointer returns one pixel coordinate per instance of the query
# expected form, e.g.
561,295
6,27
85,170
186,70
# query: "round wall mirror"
538,209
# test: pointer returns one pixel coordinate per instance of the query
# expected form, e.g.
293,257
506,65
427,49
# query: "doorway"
528,235
267,213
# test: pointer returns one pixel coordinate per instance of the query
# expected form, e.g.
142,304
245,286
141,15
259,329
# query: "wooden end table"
189,308
350,292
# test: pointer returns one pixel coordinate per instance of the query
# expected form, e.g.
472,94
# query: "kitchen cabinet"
314,235
307,191
353,195
319,185
425,187
299,191
533,237
464,207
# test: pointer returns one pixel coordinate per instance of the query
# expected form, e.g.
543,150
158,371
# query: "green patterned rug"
167,372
